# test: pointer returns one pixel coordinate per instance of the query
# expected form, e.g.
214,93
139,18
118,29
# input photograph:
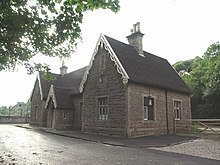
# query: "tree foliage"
49,27
204,80
186,65
23,110
4,110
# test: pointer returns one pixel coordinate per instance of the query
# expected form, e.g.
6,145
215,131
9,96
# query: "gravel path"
205,148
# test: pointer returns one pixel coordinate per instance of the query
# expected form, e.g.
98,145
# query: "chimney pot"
135,39
138,27
63,69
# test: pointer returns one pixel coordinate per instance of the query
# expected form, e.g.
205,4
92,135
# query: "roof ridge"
119,41
76,70
40,72
60,87
145,52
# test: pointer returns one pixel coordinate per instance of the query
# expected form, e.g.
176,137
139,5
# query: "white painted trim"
181,109
41,92
51,94
32,92
102,41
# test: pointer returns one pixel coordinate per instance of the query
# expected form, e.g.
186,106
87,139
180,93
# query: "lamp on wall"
100,80
149,101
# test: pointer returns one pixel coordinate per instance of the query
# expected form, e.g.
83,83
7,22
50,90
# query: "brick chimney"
135,39
63,69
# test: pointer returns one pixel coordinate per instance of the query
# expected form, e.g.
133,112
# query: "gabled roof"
45,84
71,80
60,88
60,96
148,69
63,87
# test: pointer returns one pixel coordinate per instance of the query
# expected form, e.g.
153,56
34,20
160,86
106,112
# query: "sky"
174,29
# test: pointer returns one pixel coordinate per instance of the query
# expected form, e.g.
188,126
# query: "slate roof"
64,86
71,80
45,84
63,98
148,70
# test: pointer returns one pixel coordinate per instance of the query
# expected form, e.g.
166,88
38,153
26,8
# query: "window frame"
146,110
102,104
177,116
64,115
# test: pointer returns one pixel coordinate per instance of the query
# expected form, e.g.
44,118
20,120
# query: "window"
148,108
102,62
103,108
64,115
177,109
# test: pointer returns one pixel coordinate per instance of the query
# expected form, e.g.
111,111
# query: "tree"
4,110
204,80
212,78
186,65
49,27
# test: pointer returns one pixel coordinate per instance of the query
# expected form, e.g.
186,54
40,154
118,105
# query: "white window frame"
103,108
145,112
177,109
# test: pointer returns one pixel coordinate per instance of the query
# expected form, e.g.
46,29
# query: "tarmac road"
34,146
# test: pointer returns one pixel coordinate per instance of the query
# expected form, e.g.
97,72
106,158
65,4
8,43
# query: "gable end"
39,83
51,94
103,43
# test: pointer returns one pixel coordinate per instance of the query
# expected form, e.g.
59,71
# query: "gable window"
177,109
148,108
103,108
102,62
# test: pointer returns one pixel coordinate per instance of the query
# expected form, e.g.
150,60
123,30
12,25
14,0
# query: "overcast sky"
174,29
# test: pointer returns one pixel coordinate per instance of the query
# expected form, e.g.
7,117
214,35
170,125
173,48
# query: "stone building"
52,103
124,91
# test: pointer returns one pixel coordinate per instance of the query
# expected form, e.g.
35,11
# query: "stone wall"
184,124
137,126
38,104
59,118
106,82
77,112
14,119
61,122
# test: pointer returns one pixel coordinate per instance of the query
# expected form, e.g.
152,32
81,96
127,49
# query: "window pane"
145,101
178,114
102,102
146,112
177,109
150,113
149,108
